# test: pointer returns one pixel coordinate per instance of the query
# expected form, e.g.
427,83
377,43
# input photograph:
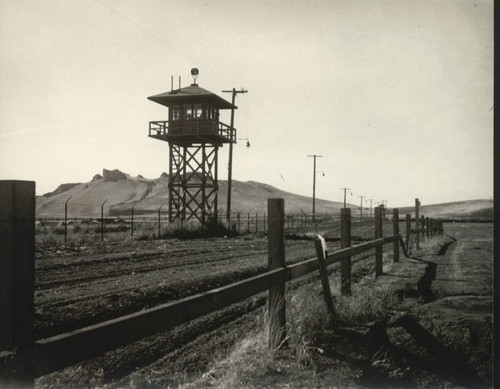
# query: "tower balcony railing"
192,129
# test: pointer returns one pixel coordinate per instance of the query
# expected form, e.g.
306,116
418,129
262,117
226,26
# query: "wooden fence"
26,359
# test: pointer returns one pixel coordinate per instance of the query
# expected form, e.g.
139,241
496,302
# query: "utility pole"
371,208
314,182
361,207
230,166
345,190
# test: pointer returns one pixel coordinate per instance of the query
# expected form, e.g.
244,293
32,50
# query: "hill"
119,191
467,210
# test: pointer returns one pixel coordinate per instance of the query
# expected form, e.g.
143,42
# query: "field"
81,284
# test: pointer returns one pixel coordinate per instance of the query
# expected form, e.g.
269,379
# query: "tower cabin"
193,118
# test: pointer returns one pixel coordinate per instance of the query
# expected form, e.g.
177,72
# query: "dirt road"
443,330
460,316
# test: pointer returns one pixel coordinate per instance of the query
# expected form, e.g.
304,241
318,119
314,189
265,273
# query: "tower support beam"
192,182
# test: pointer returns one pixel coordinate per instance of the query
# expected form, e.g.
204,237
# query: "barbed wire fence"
79,219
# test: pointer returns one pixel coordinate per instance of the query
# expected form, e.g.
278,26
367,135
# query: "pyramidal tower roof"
190,93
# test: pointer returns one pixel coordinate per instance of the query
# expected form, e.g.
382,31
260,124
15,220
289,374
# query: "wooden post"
276,259
422,226
238,217
345,241
159,222
378,249
248,222
17,265
256,222
321,254
395,232
132,220
408,232
66,219
427,227
102,220
417,224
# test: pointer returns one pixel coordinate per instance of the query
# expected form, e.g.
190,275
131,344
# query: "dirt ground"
79,286
439,334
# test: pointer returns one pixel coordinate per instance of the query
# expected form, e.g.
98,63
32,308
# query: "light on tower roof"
194,73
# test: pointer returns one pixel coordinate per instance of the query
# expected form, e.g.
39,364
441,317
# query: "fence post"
276,259
66,219
378,249
408,232
422,226
395,232
427,226
345,241
238,217
248,222
132,221
321,254
417,224
159,221
264,224
17,264
102,220
256,222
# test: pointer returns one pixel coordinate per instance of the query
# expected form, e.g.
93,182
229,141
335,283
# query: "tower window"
176,112
197,111
188,112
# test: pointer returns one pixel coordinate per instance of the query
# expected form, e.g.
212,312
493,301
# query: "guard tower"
194,134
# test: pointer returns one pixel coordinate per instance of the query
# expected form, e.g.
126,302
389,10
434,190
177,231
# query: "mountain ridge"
117,192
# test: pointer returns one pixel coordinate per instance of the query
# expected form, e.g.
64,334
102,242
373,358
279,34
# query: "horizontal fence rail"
58,352
26,359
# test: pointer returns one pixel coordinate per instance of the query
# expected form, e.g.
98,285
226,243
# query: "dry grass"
367,303
252,365
83,232
249,359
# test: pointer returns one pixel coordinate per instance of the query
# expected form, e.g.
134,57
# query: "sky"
395,96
